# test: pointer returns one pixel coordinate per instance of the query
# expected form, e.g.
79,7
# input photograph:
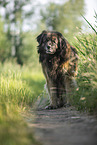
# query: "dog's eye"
48,39
54,41
50,43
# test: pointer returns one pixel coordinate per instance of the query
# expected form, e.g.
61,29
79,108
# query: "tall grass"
18,91
86,97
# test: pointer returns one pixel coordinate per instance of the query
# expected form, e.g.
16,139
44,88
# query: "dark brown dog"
59,64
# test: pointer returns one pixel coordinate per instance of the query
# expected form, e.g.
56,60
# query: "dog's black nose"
48,47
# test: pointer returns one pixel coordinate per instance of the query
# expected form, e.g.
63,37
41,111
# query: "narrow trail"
64,126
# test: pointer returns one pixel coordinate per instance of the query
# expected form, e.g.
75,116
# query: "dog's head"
49,41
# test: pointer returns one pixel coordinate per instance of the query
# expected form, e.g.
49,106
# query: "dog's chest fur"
52,68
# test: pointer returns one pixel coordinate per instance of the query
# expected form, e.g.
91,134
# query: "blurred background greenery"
21,79
21,21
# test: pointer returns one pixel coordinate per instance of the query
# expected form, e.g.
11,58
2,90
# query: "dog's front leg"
52,90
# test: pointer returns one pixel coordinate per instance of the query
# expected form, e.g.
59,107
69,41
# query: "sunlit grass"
86,97
19,89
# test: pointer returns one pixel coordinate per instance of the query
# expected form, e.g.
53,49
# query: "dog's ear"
64,48
40,37
62,42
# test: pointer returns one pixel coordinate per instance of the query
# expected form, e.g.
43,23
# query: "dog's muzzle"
50,49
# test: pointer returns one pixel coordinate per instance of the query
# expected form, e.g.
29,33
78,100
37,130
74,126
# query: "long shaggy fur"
59,64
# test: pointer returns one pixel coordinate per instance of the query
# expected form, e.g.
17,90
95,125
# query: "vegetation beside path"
21,86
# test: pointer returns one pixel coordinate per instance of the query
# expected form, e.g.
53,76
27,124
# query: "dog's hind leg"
71,85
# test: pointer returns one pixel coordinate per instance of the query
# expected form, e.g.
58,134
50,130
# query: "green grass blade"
90,24
80,50
82,43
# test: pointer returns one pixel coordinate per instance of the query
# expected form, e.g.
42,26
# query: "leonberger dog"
59,64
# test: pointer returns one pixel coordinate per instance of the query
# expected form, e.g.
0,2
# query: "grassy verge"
86,97
19,88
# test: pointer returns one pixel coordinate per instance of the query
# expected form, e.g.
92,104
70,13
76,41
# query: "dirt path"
65,126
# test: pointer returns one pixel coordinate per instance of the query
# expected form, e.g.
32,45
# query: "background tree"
64,18
14,20
4,44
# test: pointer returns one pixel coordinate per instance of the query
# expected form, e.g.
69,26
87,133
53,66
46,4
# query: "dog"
59,64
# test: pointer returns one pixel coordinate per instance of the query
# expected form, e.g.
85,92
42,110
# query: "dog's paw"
50,107
67,105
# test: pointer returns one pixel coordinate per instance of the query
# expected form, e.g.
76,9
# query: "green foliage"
4,44
13,129
64,18
90,24
19,89
86,97
14,20
28,51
